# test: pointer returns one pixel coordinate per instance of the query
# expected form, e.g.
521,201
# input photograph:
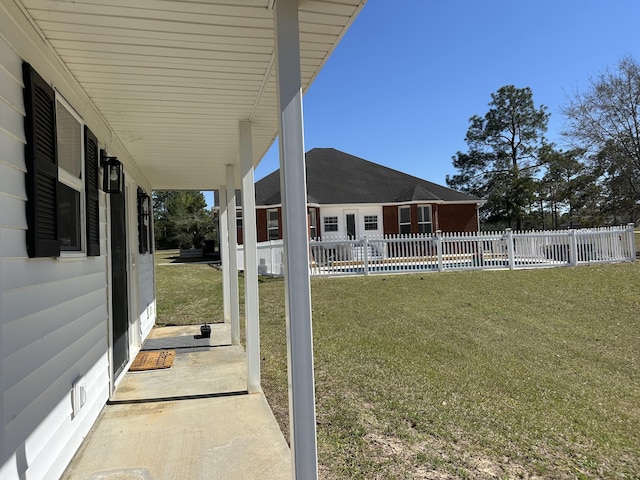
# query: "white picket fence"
456,251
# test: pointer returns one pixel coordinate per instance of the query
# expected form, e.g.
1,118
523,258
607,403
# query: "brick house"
350,196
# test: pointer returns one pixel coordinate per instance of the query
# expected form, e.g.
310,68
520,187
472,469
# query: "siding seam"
9,134
12,106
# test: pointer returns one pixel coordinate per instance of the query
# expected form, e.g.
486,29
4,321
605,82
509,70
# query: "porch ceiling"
172,78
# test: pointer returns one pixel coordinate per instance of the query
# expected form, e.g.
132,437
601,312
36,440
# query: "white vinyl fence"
456,251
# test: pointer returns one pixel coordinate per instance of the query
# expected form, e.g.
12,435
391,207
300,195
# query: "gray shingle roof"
335,177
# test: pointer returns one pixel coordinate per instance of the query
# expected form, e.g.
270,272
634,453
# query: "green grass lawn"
523,374
188,293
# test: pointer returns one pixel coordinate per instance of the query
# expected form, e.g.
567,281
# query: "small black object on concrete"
205,331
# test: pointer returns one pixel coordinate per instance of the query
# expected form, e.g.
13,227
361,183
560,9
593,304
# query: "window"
70,175
273,224
238,218
404,219
424,219
330,224
69,223
313,223
371,222
61,157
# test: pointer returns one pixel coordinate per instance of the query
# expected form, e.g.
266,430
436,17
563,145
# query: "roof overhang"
171,79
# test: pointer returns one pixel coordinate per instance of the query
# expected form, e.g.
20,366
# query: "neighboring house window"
313,223
61,157
404,218
273,226
330,224
424,219
238,218
371,222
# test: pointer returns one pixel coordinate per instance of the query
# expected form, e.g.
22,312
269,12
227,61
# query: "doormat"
155,360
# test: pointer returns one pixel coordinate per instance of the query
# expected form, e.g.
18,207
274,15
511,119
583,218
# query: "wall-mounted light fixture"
113,178
144,203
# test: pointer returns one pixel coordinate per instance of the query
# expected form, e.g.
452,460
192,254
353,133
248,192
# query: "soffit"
172,78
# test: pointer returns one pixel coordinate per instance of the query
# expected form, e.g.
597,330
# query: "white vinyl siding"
53,317
361,212
146,294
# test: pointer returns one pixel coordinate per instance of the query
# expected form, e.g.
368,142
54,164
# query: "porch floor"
193,420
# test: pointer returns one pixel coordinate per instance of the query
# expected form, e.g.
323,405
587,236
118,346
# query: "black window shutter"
42,166
143,236
91,170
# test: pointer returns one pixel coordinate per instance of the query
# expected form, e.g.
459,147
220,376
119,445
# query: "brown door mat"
155,360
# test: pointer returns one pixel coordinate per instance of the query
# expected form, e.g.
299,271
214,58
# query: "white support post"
251,308
223,238
365,255
2,355
439,250
573,248
234,295
632,242
302,412
510,250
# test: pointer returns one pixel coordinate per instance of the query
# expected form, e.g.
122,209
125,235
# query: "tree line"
181,219
528,182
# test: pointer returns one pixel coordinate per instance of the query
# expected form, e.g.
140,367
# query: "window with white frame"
404,220
62,173
424,219
69,138
371,222
313,223
330,224
238,218
273,224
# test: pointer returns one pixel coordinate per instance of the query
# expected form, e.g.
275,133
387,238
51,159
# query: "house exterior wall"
390,220
341,212
261,224
54,312
445,217
458,218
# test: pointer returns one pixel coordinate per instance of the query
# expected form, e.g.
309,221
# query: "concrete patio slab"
194,420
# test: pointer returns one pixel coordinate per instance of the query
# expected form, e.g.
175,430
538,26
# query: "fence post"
510,252
365,254
573,248
632,242
439,249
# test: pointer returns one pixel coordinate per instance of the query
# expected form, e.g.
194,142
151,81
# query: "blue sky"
401,86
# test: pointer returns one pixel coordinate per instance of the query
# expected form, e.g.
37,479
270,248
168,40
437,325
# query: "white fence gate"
456,251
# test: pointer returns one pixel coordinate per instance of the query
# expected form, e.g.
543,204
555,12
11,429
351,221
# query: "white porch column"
223,238
251,308
302,412
234,296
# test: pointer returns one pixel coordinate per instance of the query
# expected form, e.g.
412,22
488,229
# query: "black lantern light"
144,203
113,178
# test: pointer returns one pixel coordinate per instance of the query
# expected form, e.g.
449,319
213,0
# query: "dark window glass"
69,217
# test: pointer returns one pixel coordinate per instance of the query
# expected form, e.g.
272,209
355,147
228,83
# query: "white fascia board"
436,202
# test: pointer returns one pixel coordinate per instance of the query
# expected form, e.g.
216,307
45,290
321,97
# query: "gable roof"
335,177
